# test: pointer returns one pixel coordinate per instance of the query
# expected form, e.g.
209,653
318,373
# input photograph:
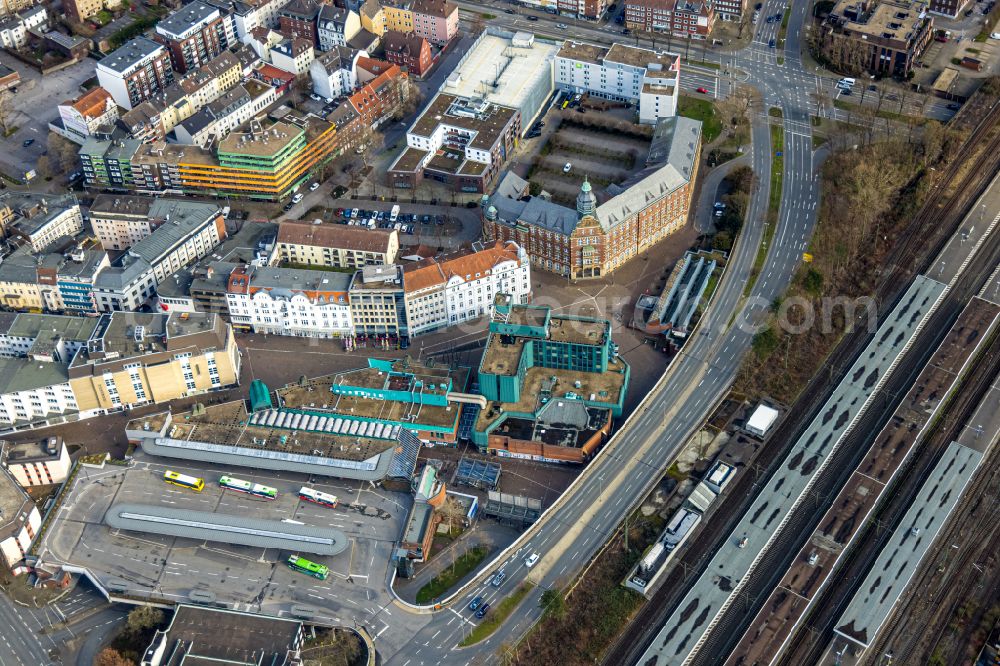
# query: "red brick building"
381,97
681,18
298,19
409,51
195,34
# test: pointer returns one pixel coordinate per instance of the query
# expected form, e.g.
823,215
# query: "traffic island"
497,616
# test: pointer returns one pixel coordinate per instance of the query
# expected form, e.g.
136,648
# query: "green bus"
320,571
255,489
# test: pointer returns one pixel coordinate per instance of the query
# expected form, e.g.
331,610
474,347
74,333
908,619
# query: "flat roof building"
553,384
19,521
198,634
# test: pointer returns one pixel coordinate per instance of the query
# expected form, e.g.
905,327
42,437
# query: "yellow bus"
184,481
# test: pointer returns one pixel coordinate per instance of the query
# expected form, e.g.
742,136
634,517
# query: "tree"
111,657
6,113
44,167
553,603
144,617
62,153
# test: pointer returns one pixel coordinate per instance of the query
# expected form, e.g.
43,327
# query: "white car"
995,35
567,168
561,26
530,560
314,187
297,198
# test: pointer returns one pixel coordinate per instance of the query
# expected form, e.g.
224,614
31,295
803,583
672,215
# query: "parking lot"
415,224
572,151
248,578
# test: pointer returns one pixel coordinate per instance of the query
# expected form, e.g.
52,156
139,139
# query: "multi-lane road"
579,524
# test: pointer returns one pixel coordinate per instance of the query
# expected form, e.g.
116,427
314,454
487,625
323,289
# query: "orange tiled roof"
438,270
93,103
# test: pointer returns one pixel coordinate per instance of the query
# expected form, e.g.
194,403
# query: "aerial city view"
469,332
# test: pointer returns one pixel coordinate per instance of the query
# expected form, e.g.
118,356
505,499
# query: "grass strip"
773,204
444,581
497,616
701,110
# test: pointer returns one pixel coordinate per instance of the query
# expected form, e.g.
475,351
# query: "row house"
335,245
334,73
382,97
250,14
691,19
336,26
409,51
298,18
290,301
462,286
293,55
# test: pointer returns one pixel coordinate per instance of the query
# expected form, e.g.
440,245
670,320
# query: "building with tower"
607,228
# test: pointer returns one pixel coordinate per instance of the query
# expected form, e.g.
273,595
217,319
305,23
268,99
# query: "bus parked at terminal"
184,481
255,489
317,497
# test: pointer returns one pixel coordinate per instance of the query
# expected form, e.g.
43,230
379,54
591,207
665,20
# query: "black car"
27,142
626,31
954,107
758,6
288,206
508,11
481,613
771,43
532,17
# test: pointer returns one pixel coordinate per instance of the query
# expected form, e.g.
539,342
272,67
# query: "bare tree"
6,113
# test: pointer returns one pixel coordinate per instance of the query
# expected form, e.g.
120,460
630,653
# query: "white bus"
317,497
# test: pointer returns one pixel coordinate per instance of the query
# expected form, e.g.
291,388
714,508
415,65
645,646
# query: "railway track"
809,642
936,221
972,529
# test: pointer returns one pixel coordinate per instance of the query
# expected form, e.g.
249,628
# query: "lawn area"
773,203
498,615
701,109
440,584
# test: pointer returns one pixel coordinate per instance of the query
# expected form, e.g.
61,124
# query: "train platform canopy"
225,528
915,535
477,473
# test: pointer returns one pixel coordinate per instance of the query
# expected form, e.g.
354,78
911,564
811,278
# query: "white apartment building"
81,117
185,232
19,523
40,219
31,390
622,73
120,220
293,56
335,73
49,338
250,14
290,301
451,289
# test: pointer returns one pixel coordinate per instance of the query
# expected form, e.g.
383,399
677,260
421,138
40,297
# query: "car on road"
532,18
314,187
567,167
626,31
995,35
297,198
288,206
771,44
481,613
954,107
475,603
561,26
703,91
719,205
27,142
530,560
498,579
509,11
